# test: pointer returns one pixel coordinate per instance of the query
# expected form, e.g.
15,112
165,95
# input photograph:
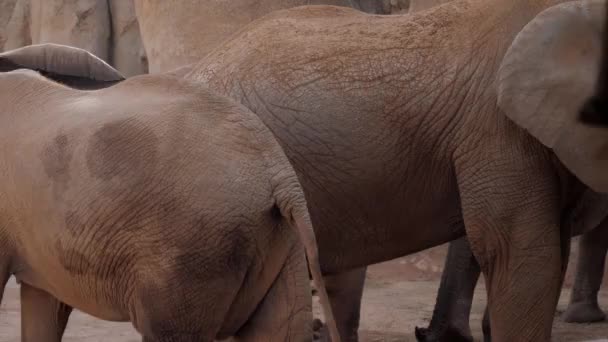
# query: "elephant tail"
293,207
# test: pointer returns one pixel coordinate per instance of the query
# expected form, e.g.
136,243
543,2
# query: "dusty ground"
392,307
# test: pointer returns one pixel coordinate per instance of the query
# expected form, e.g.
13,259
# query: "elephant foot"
321,334
583,313
319,331
448,334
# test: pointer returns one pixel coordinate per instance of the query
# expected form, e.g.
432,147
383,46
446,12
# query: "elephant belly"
74,276
361,231
86,295
369,243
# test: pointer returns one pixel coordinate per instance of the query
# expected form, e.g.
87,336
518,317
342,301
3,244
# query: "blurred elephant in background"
178,35
106,28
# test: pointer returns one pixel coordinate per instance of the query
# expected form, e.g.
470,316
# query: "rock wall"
106,28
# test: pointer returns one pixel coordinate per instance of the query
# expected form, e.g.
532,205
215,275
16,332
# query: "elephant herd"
187,166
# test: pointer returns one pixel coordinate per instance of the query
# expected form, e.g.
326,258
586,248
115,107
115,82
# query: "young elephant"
151,201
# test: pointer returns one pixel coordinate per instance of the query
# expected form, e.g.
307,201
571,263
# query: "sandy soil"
392,307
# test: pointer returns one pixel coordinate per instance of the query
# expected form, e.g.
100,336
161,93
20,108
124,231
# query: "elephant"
450,321
409,131
151,200
175,36
106,28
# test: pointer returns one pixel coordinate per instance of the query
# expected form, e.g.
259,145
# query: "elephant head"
73,67
547,75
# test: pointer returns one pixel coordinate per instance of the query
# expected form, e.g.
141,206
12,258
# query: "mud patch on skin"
126,149
56,161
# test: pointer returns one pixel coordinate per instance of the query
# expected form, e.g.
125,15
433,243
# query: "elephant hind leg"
43,317
285,314
345,291
583,306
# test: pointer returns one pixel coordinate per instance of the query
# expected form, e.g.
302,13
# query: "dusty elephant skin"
417,112
152,201
178,35
168,39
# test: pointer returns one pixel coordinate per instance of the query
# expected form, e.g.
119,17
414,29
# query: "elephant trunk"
292,204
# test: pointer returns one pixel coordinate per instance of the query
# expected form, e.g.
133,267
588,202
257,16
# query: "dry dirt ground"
392,307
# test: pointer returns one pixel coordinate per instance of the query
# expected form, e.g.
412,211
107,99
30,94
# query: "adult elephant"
153,201
408,130
106,28
178,35
450,321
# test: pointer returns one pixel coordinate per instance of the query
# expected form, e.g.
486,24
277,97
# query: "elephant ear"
545,78
76,68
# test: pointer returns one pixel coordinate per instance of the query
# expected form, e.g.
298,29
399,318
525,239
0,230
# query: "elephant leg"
583,306
485,326
285,314
345,291
450,321
511,210
175,338
5,275
43,317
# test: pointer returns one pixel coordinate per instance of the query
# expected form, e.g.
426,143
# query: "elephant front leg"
583,305
450,321
345,291
511,210
285,313
43,317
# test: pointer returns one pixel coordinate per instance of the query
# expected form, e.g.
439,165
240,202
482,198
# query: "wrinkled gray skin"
178,35
449,119
450,321
153,201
